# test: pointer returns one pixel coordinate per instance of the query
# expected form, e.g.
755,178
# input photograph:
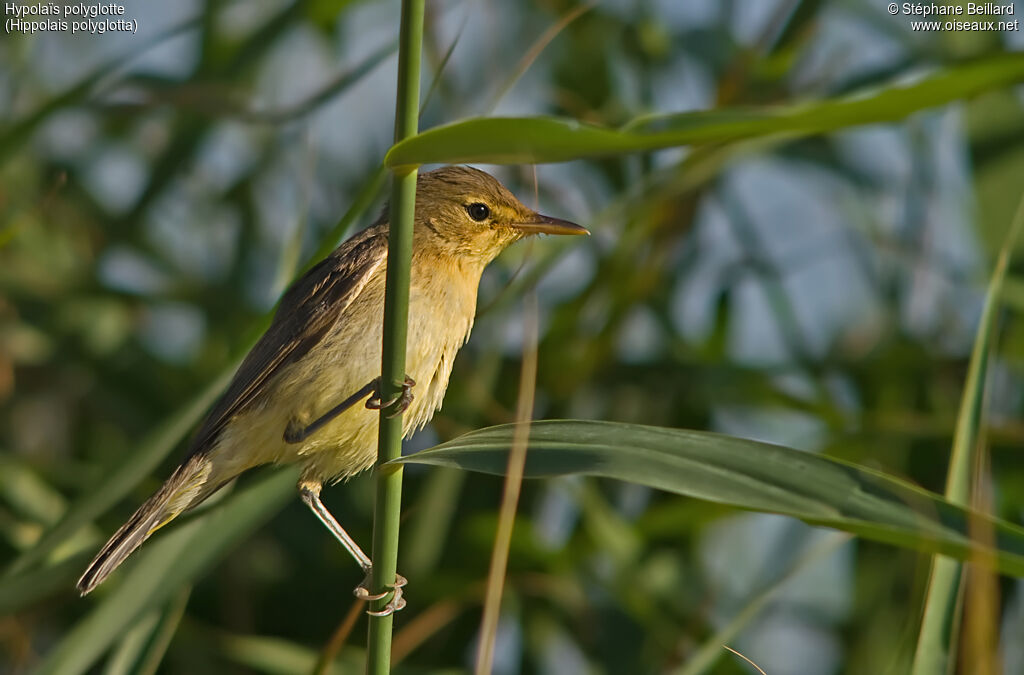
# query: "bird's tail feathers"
187,486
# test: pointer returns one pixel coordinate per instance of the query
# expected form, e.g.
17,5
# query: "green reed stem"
396,315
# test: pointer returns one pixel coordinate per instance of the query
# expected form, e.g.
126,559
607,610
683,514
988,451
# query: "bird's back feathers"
307,312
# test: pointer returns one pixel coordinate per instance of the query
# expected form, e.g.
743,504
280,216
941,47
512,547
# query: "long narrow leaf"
935,644
550,139
122,478
27,588
166,565
746,474
274,656
127,652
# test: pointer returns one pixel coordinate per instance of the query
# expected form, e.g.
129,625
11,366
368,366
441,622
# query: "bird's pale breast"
440,318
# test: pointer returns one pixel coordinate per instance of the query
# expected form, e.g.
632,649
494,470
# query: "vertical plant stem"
396,314
940,624
330,651
510,498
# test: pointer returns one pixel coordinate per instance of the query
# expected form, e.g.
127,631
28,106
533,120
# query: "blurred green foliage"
158,191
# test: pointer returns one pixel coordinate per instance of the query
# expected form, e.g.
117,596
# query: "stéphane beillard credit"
968,9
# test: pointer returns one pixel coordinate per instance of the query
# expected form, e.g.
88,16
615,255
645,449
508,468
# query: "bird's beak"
539,224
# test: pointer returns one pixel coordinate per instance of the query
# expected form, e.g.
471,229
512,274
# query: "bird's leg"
310,491
401,401
295,433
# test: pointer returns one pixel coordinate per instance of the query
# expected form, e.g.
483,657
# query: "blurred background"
159,190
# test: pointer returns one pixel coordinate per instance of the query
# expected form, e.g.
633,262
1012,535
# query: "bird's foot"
362,591
400,402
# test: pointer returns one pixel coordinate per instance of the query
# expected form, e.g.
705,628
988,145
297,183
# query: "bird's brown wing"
306,313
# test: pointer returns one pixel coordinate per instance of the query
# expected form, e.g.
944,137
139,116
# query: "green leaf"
28,588
275,656
1013,293
121,478
166,565
936,642
506,140
144,644
746,474
131,645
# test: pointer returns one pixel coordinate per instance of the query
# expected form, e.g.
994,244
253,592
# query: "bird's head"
468,213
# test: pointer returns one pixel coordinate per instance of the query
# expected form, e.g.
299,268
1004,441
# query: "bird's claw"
400,401
362,592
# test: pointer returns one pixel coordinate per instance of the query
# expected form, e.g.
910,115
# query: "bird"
294,397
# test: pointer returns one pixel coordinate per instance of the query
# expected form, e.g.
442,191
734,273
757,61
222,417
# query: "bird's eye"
478,211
